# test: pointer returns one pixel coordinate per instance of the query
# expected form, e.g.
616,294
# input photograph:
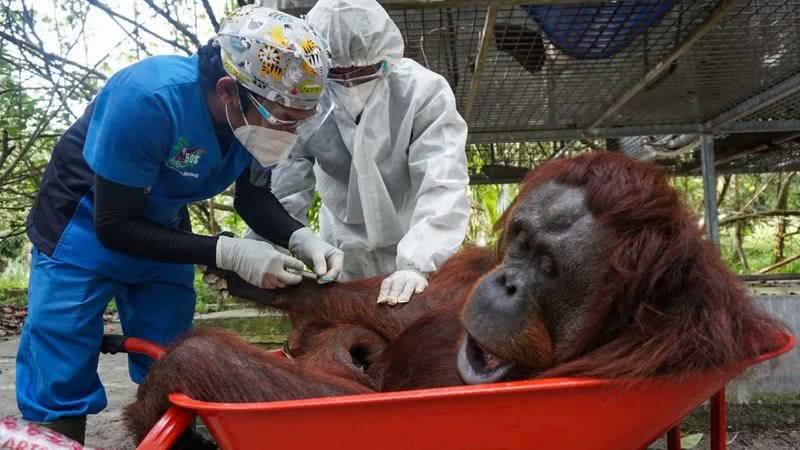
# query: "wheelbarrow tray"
557,413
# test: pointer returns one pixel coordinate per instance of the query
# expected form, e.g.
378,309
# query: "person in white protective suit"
390,164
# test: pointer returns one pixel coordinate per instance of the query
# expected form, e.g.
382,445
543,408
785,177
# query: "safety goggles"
272,120
357,76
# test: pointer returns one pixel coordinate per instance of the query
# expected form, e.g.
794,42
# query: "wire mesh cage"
787,108
753,47
649,72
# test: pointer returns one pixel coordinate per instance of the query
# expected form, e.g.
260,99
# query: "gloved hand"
325,259
257,262
398,287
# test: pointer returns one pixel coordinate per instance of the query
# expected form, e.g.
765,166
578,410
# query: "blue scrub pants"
60,344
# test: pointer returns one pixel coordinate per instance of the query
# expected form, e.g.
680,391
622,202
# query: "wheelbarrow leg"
674,437
718,441
167,430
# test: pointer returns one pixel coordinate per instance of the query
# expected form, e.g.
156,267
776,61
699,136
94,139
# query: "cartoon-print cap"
276,55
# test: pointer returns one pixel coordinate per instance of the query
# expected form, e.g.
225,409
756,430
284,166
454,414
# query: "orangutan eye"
524,245
521,237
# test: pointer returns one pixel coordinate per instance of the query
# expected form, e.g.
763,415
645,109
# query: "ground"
106,430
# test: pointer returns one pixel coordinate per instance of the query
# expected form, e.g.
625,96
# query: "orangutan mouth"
476,365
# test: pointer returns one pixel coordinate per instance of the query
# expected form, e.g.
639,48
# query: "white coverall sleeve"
438,167
293,183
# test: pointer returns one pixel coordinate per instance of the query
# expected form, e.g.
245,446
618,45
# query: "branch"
49,115
17,232
211,15
113,14
6,150
725,185
779,264
8,190
759,192
783,190
776,212
45,54
181,27
27,17
222,207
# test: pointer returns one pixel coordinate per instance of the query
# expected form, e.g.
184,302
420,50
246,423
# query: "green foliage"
487,204
691,441
15,276
313,212
759,247
207,298
12,248
751,194
14,283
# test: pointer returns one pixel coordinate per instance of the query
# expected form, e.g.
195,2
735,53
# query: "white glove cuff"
222,241
415,270
301,235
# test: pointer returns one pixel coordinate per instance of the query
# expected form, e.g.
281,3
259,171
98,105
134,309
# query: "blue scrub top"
150,128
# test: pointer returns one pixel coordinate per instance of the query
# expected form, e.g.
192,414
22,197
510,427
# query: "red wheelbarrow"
558,413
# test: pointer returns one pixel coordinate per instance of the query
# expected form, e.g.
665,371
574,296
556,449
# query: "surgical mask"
267,145
353,99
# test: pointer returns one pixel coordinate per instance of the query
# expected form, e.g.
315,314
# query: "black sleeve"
120,224
262,211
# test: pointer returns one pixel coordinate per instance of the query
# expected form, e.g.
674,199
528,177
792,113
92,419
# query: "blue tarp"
597,30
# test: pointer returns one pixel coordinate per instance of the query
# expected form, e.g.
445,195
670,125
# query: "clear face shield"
358,75
303,130
272,140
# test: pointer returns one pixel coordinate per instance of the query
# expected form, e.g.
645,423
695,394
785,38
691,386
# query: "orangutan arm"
351,302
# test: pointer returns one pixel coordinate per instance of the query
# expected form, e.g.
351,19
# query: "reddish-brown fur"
667,305
666,289
329,321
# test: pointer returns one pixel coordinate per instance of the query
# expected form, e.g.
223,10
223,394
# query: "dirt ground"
105,429
750,440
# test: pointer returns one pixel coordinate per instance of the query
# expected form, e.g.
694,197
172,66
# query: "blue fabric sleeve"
129,135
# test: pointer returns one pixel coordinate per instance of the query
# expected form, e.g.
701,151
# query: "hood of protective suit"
359,32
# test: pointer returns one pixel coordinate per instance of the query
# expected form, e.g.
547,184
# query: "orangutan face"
523,314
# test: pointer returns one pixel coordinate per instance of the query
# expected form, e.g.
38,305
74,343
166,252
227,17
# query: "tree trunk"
780,234
739,230
213,226
725,185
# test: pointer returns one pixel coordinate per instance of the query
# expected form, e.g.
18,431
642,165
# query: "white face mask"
354,98
267,145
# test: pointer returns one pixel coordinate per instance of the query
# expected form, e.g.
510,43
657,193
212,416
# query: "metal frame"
717,14
696,33
710,189
757,102
479,137
480,60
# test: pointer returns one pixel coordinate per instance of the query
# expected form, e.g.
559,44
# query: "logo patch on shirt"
185,158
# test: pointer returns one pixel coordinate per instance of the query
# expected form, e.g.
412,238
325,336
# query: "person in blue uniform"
110,220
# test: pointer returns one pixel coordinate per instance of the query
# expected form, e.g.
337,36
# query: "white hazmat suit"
390,162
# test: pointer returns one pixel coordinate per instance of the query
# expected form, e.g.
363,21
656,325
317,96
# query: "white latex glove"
325,259
250,234
257,262
398,287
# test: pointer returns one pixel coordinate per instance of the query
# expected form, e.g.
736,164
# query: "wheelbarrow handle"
117,343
